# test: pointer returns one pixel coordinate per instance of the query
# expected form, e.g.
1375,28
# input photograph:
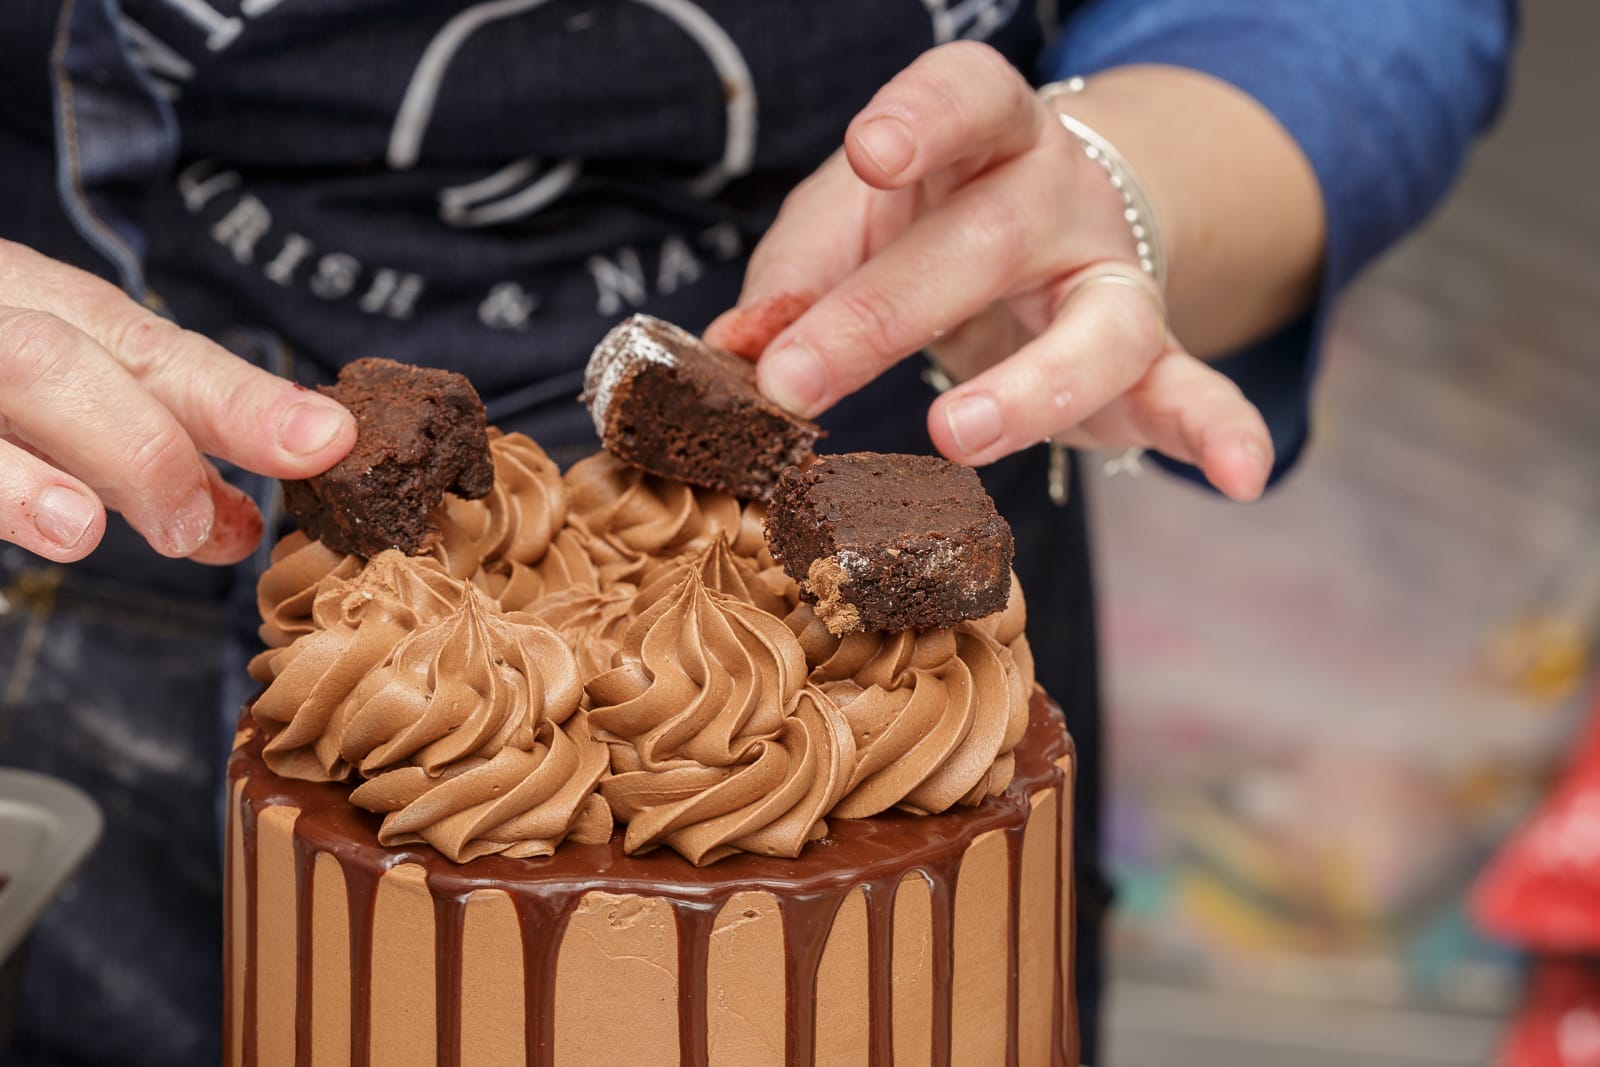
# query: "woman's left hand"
960,217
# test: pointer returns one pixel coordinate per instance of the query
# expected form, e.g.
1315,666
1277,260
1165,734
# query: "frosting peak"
513,526
721,571
633,516
713,746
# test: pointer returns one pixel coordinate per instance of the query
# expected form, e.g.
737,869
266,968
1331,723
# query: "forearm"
1237,202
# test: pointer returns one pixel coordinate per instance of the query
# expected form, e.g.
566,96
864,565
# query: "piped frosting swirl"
515,523
700,713
634,519
453,711
935,714
289,585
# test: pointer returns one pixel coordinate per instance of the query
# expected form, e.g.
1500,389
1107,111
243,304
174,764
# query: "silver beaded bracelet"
1147,244
1136,206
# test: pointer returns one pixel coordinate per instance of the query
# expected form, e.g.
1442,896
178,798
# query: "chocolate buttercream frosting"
591,621
518,802
714,748
1007,627
465,685
289,585
635,519
566,564
722,571
771,803
358,621
935,713
514,524
452,710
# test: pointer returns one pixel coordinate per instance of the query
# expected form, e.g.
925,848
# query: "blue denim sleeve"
1383,99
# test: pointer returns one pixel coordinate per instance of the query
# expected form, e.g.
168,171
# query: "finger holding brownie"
105,404
960,216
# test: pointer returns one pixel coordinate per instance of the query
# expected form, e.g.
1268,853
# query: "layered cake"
586,782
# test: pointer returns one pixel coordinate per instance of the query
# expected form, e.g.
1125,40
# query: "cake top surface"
682,693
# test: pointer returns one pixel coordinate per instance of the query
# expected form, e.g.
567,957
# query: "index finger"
229,407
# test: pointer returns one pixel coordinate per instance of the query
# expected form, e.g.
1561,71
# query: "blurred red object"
1559,1022
1541,890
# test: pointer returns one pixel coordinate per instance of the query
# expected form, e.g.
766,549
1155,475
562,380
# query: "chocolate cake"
890,542
669,403
420,433
588,785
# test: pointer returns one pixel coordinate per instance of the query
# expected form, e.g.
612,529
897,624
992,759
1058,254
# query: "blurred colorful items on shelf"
1541,891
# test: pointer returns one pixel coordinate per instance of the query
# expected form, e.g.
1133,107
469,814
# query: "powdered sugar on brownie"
631,342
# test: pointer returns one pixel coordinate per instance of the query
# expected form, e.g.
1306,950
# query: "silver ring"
1111,277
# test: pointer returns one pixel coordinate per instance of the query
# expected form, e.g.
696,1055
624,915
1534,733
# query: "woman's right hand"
104,404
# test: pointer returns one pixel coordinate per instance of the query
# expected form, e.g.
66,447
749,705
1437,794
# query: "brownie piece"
419,433
667,402
890,542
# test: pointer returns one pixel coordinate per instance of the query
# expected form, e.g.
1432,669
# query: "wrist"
1137,209
1238,207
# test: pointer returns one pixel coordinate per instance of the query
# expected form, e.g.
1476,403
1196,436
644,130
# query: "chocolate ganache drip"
935,713
716,744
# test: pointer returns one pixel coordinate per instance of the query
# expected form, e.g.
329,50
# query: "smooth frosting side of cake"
941,940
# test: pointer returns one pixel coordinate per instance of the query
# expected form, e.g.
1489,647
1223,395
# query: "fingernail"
1260,456
1251,447
975,422
63,516
308,427
888,142
794,378
191,526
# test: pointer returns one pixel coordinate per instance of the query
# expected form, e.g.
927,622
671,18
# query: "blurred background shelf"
1327,708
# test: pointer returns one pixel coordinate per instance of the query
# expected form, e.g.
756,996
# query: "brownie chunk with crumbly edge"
667,402
890,542
420,432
